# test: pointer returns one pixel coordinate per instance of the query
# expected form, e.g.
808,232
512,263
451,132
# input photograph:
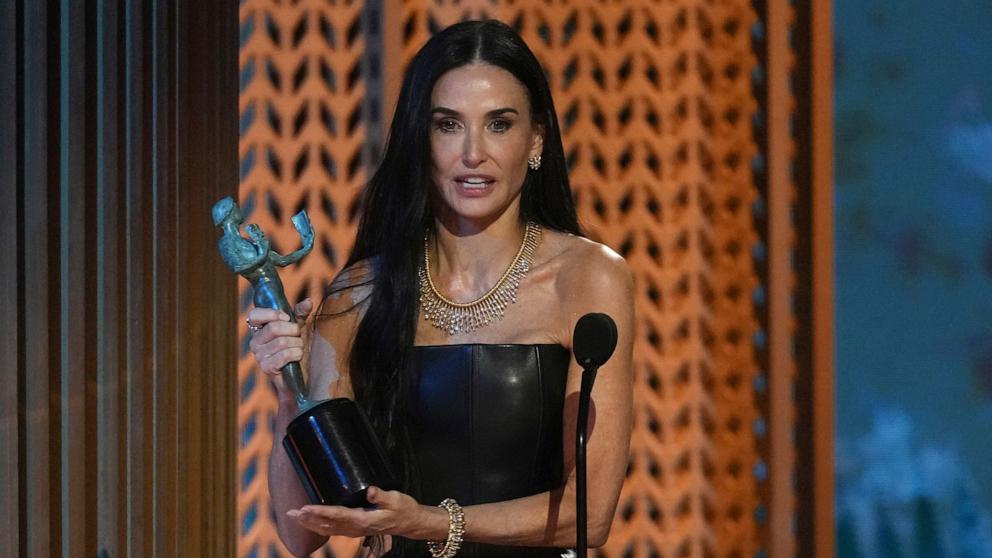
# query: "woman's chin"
478,215
473,207
479,206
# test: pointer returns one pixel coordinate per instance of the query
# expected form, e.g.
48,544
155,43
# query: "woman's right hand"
279,342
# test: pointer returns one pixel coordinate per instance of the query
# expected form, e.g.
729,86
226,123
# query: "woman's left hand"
394,513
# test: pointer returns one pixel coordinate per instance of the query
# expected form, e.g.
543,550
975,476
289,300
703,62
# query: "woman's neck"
467,259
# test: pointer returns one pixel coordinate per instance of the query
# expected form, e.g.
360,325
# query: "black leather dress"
486,426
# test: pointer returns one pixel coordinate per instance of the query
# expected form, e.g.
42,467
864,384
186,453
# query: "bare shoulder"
333,330
587,277
345,300
588,267
348,292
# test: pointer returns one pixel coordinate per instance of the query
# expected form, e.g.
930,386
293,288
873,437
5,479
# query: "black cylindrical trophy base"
336,454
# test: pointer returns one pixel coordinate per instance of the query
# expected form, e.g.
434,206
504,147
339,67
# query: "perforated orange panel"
656,106
302,137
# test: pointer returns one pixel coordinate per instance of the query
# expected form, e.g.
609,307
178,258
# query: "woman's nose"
473,152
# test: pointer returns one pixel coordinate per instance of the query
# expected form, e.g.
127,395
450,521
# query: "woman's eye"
446,125
499,126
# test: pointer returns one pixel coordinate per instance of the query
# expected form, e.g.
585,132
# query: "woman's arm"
598,282
324,358
285,489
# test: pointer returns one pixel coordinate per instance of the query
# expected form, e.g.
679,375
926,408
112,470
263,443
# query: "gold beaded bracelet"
456,528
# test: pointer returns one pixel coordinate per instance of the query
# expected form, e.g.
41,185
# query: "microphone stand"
585,394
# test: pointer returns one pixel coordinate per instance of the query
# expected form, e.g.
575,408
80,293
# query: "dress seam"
474,365
540,420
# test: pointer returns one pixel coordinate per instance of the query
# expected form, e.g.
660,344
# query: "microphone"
594,340
593,343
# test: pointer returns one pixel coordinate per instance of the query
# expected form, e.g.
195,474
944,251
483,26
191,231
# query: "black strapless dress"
486,426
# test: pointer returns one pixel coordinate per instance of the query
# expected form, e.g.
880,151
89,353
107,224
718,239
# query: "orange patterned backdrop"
658,107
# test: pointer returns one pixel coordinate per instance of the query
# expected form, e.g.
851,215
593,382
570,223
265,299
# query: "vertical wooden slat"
822,319
812,88
72,279
39,509
110,458
10,284
780,281
90,153
163,279
800,277
206,169
195,406
139,285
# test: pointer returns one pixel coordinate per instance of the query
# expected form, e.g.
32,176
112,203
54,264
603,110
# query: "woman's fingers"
262,316
327,513
274,330
373,495
383,499
277,343
337,520
302,309
393,512
272,364
315,523
273,355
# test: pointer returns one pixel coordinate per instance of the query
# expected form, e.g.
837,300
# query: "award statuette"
331,444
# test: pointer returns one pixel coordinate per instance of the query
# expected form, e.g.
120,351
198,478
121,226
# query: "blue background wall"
914,277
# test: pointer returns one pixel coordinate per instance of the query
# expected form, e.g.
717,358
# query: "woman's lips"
474,184
474,179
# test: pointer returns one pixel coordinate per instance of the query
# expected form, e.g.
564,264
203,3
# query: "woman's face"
481,138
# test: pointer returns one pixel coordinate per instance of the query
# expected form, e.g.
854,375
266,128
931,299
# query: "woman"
451,324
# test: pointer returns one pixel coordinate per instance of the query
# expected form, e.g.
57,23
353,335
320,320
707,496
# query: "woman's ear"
537,142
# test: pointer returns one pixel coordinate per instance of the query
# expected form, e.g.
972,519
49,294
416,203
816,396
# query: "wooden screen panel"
10,283
659,103
119,440
302,141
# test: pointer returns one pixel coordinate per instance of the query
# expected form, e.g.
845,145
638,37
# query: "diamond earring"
534,162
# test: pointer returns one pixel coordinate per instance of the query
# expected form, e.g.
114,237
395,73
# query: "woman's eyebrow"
495,112
445,111
500,111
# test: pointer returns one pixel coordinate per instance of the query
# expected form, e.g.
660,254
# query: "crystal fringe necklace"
464,317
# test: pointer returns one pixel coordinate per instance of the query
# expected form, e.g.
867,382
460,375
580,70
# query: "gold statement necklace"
458,317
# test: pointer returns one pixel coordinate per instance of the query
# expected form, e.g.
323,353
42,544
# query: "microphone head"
594,339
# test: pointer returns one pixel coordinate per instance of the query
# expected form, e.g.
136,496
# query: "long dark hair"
396,212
